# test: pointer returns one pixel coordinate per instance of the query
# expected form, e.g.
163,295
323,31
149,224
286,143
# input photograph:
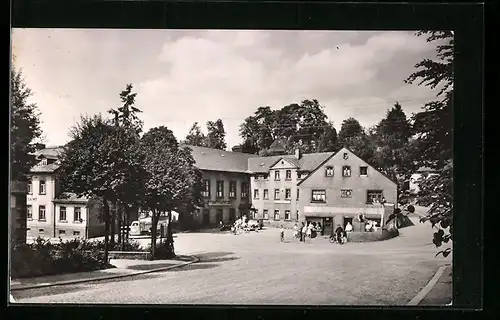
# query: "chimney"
297,154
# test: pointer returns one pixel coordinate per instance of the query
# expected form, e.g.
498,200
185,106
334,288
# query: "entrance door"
219,215
232,215
346,220
327,226
206,217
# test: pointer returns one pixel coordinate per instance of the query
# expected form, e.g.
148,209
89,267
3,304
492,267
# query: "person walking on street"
303,233
282,234
295,231
309,230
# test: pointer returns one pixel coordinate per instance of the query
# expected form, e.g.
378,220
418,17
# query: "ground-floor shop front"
330,217
215,214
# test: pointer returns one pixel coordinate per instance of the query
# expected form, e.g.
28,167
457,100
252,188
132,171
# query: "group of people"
308,230
240,225
371,226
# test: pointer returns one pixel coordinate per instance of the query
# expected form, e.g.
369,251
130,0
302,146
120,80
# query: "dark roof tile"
220,160
307,162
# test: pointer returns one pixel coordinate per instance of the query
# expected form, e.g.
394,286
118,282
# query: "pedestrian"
303,232
295,231
282,234
309,230
348,227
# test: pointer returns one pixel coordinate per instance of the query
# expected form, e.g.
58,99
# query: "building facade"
274,185
226,193
52,213
344,187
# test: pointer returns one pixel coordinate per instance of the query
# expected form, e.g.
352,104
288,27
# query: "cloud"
183,76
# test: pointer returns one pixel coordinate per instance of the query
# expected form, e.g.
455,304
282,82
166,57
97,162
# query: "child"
282,234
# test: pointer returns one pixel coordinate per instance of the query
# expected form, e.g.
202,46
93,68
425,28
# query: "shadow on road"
216,256
150,266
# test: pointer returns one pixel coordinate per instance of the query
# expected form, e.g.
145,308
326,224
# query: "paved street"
255,268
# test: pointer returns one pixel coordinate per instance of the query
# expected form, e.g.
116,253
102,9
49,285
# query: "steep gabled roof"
331,156
69,197
50,152
220,160
292,161
307,162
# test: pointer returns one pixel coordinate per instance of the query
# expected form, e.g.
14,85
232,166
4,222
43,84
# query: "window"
297,215
287,215
297,194
373,196
318,196
30,187
29,212
62,214
256,193
276,175
266,176
43,188
41,213
220,189
77,215
232,190
244,190
206,189
346,156
346,171
44,162
288,175
266,194
40,231
62,232
329,172
299,175
265,214
276,194
276,214
363,171
346,193
76,233
256,177
288,194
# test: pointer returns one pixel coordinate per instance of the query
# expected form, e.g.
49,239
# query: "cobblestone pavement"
255,268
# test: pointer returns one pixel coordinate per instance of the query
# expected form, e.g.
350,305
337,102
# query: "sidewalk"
123,268
441,294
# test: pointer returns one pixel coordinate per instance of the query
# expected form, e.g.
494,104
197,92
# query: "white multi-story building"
52,213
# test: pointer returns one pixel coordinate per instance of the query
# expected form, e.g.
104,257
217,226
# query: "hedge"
42,257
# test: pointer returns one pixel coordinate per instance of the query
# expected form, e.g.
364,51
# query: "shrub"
45,258
163,250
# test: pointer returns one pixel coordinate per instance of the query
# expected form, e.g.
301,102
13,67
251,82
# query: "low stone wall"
278,224
379,235
133,255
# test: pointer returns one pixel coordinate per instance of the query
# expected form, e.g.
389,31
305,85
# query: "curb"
61,283
425,291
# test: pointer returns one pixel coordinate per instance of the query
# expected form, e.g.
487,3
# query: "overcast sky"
185,76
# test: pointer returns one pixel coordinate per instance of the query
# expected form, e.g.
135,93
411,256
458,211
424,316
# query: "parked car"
144,225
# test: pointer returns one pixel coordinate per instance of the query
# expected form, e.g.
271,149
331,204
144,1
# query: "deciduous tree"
101,161
434,129
216,137
25,128
172,182
195,137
